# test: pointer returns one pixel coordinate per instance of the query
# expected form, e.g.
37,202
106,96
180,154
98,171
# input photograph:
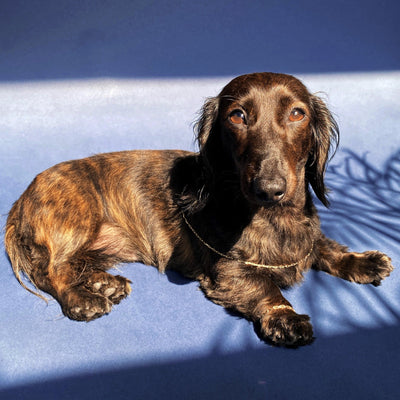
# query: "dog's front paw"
286,329
371,267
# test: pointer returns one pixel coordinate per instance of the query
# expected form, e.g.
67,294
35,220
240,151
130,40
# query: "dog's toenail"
108,292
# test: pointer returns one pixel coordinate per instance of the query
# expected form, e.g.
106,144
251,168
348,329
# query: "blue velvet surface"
166,340
166,336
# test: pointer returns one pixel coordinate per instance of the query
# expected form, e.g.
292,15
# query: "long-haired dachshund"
238,216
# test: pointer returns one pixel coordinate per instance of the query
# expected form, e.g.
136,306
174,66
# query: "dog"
238,216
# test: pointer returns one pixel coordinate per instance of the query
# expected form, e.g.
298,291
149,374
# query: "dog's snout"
270,190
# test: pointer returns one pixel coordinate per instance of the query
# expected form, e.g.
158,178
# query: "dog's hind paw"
94,297
81,305
114,288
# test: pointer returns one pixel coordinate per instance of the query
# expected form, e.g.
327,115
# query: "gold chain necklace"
245,262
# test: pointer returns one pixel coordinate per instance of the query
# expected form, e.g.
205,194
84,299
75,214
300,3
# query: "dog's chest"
282,251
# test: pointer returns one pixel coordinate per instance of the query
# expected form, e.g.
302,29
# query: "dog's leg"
75,278
81,285
250,292
368,267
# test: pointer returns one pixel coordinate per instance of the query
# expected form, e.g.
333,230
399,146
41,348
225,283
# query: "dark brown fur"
246,193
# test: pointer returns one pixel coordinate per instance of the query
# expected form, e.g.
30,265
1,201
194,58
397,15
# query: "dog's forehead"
263,84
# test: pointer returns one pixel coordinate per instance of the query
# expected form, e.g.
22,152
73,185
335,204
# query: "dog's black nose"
270,191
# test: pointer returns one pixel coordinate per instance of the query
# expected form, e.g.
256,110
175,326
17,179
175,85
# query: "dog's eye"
237,117
297,114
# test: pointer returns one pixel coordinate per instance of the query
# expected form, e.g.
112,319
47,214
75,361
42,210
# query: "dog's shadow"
177,278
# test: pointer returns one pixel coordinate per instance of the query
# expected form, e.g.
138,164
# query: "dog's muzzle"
269,191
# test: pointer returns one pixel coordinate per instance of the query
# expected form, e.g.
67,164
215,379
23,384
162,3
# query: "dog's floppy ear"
325,134
205,124
191,176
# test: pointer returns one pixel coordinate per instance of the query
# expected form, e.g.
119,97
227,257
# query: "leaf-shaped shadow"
365,201
364,215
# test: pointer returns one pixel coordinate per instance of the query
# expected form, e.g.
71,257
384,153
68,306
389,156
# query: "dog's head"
273,132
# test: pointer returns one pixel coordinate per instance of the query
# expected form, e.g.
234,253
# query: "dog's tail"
19,254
